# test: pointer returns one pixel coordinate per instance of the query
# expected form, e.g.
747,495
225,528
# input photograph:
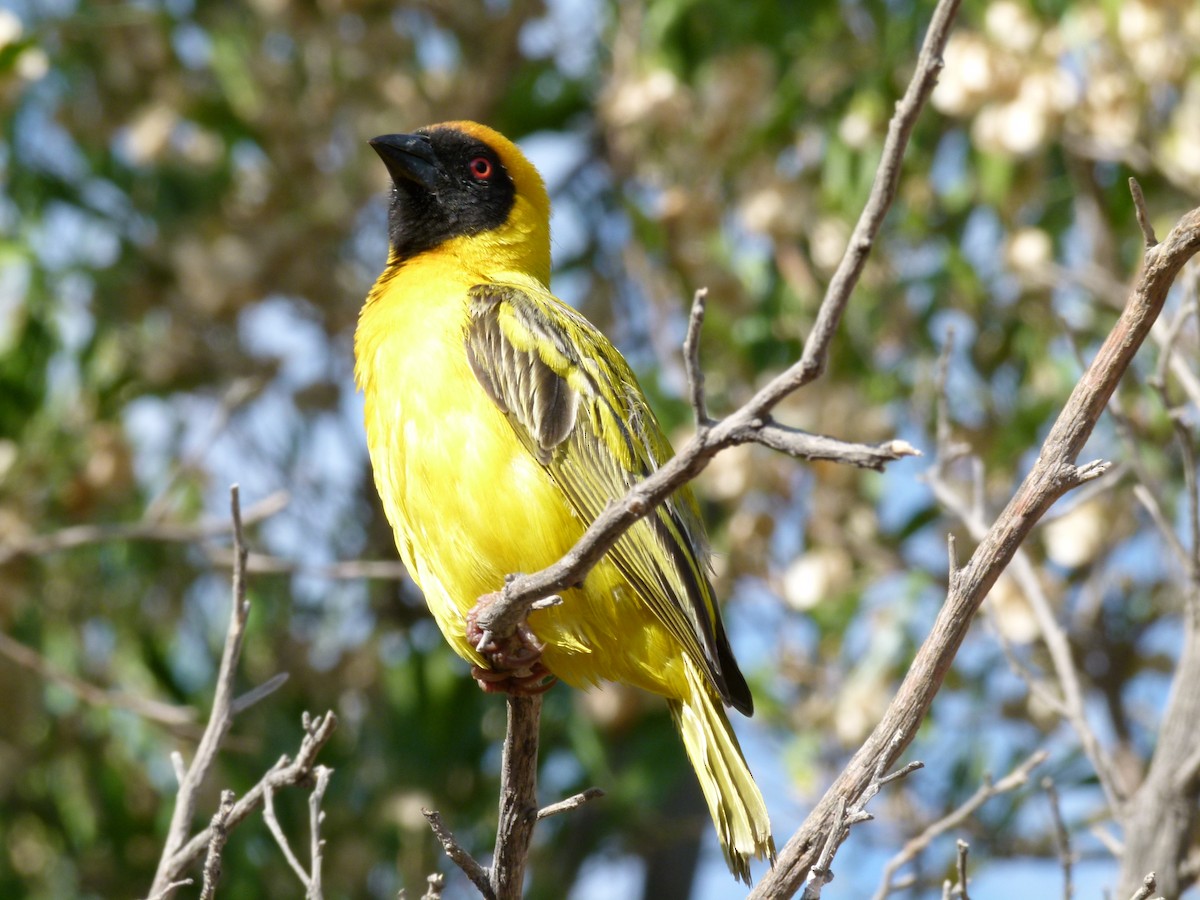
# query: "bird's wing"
576,406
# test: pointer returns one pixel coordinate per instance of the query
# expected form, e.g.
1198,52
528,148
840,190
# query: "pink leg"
515,662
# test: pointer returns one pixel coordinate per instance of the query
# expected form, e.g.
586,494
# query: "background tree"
190,218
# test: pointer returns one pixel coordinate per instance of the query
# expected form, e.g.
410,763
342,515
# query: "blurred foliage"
190,217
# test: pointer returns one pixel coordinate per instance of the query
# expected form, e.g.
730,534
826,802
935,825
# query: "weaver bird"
500,423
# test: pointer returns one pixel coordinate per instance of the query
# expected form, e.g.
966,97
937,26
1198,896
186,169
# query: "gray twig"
221,716
1052,475
315,818
276,830
691,358
752,422
458,855
961,869
285,773
167,532
1149,885
1062,838
1143,217
571,803
218,835
1018,777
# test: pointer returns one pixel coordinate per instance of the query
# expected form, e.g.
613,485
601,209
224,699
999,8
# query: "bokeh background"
189,219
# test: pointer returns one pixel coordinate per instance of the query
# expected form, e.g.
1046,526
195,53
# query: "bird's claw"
515,662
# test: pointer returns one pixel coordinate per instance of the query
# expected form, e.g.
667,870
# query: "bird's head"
463,188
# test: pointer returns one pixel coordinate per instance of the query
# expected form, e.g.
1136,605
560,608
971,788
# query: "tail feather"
734,800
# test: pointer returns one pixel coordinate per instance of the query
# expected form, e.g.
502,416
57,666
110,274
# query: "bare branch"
518,796
691,359
501,618
1062,837
1149,885
1143,218
846,816
570,804
221,716
459,856
284,773
821,873
276,830
813,447
1018,777
315,818
218,835
1050,477
168,532
180,719
961,867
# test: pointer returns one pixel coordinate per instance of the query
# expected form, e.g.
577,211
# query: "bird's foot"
515,662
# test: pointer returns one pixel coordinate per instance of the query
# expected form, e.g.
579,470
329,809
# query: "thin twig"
221,717
752,422
1143,217
1018,777
179,719
218,835
315,818
285,773
1053,474
846,816
1062,838
691,359
276,830
821,873
961,868
458,855
570,804
167,532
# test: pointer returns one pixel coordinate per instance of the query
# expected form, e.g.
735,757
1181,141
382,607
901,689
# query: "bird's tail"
734,801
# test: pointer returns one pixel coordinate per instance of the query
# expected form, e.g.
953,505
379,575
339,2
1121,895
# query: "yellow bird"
500,422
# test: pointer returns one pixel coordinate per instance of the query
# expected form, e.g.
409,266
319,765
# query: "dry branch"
168,532
179,851
285,773
1018,777
221,716
1052,475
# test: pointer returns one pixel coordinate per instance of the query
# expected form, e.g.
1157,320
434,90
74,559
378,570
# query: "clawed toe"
515,661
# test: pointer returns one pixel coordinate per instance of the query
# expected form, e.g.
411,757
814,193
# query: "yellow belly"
469,505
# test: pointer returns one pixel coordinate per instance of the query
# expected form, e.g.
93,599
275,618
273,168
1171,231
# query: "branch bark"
518,797
221,717
1054,473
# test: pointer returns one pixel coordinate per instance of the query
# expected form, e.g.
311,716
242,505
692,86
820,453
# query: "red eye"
481,167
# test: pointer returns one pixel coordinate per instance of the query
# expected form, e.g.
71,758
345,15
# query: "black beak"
409,157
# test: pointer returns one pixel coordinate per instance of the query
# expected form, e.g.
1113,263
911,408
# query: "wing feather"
575,404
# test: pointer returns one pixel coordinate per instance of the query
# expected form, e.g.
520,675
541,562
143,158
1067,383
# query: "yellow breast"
467,501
